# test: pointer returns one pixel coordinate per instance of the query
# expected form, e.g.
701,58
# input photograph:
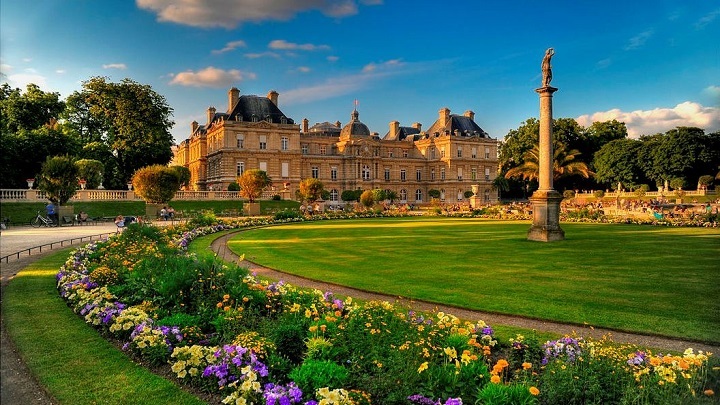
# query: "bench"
67,220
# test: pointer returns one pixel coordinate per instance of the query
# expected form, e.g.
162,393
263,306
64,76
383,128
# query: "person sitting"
164,213
171,212
120,222
82,216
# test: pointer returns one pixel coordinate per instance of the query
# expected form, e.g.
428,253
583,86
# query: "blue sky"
652,64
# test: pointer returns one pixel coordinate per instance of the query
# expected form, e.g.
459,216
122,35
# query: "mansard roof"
465,125
262,108
403,134
324,128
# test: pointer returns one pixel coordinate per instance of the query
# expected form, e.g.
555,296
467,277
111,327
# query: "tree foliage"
29,110
379,194
564,164
367,198
59,179
156,184
183,175
311,190
90,170
351,195
130,118
617,161
252,183
682,152
434,193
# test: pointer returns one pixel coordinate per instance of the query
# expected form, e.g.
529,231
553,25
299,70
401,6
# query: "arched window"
333,195
460,195
403,195
418,195
442,194
366,172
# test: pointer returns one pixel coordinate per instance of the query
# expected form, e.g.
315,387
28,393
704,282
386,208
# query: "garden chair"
658,215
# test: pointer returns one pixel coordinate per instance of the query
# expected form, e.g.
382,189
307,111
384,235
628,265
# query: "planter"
251,209
152,211
66,214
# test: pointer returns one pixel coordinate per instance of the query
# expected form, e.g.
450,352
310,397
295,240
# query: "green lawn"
637,278
70,359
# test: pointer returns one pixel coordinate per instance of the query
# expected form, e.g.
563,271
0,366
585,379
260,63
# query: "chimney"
417,126
233,97
338,124
210,115
394,129
305,125
470,115
444,114
194,126
273,96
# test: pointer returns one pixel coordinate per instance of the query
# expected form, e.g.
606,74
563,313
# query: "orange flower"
526,366
219,305
709,392
495,379
534,391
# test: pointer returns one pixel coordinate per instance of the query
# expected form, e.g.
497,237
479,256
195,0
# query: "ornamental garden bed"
245,340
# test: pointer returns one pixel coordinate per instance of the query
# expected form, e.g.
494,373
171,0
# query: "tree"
434,193
30,110
367,199
682,152
311,190
59,179
252,183
183,174
391,195
500,183
564,164
617,161
130,118
468,194
351,195
156,184
91,171
379,194
705,181
234,186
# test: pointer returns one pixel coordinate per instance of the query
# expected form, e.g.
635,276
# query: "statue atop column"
547,67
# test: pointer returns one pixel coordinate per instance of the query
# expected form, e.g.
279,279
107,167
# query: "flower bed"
223,331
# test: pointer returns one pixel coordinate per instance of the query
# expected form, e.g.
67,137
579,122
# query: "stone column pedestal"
546,217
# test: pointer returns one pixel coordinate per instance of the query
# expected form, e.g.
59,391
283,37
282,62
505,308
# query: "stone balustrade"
20,195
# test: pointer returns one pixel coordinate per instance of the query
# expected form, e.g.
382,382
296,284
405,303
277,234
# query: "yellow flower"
423,367
534,391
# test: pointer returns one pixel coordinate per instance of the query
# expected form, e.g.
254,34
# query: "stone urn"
475,188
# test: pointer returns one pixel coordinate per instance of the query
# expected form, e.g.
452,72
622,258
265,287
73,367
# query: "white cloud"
707,19
230,46
61,71
27,60
303,69
602,64
639,40
230,13
211,77
658,120
333,58
21,80
371,67
5,68
713,92
262,55
120,66
284,45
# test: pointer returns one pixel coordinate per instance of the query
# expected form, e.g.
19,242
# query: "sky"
654,65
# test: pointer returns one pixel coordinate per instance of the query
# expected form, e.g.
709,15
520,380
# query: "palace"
451,156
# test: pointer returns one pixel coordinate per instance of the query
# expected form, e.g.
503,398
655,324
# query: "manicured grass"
638,278
70,359
23,212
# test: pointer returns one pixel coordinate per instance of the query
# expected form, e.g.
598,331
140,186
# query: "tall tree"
684,152
29,110
130,118
617,161
564,164
252,183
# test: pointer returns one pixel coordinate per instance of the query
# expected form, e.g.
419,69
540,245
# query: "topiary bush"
59,178
156,184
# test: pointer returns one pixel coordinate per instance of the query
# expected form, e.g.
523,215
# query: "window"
285,171
366,172
460,195
304,149
442,173
418,195
240,141
474,153
284,141
459,151
390,154
240,168
487,173
333,173
432,174
487,152
402,175
473,173
460,173
376,152
323,149
263,141
263,166
387,174
442,152
333,195
315,172
487,195
432,152
405,153
403,195
418,174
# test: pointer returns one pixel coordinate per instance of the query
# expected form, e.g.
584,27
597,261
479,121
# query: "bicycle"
42,220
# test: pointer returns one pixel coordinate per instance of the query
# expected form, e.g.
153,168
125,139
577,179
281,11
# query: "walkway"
220,247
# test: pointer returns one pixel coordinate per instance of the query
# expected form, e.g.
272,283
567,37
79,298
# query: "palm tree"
564,164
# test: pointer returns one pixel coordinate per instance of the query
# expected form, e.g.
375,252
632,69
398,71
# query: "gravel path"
219,246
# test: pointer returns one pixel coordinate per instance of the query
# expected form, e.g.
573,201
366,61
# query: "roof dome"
355,127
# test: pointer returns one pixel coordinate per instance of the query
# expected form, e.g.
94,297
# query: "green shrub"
59,178
91,171
314,374
276,197
500,394
234,186
287,214
204,218
587,380
289,338
156,184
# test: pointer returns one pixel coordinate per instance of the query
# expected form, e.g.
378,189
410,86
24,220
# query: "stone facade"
451,156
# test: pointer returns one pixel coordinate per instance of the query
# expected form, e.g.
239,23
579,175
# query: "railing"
652,194
16,195
62,243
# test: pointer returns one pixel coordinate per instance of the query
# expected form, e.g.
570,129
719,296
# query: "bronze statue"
547,67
